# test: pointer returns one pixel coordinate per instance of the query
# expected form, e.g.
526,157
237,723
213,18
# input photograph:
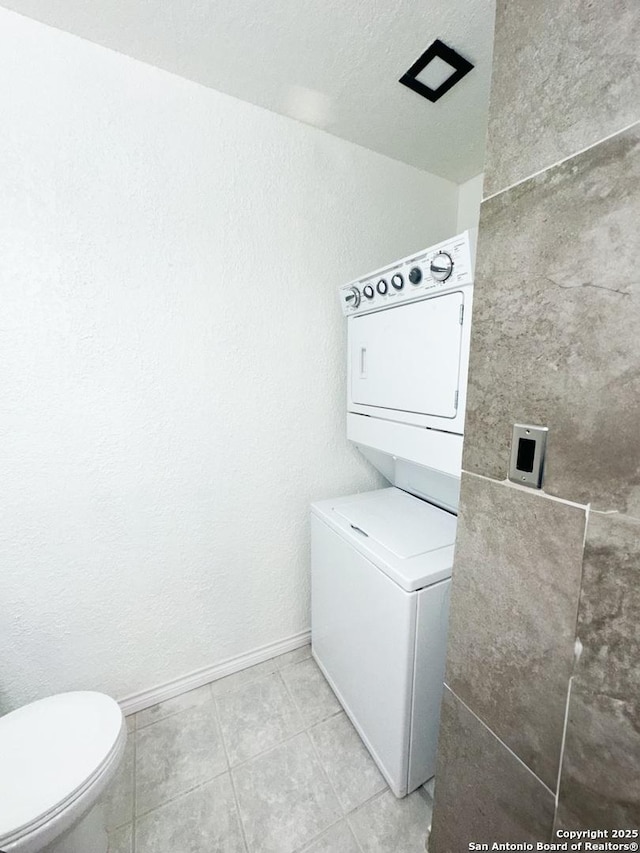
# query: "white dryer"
381,561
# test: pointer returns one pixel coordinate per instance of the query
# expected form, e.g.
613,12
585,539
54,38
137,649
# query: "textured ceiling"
329,63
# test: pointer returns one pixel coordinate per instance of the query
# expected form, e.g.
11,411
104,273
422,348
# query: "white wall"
469,200
468,216
173,360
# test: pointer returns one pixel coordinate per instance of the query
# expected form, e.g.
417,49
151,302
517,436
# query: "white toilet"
57,757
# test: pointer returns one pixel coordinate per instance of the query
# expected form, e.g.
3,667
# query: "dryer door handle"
363,362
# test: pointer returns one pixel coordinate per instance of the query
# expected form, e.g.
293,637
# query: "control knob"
397,281
352,297
382,287
368,291
415,275
441,266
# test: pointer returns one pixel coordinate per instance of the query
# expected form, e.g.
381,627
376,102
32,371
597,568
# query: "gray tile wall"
490,794
566,74
514,546
556,325
543,679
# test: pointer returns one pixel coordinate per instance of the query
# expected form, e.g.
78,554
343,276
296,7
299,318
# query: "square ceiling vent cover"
435,72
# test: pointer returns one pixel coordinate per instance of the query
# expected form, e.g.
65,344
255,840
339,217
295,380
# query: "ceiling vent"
436,71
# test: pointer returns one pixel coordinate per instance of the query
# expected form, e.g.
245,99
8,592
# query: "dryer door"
407,358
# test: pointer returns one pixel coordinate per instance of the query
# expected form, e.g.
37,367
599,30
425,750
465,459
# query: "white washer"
381,561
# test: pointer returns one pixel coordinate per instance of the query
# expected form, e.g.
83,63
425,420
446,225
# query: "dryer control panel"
442,267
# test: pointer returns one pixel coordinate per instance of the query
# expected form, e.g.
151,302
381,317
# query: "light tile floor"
263,761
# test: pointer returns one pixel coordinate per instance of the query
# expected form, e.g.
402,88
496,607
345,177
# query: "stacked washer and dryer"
381,561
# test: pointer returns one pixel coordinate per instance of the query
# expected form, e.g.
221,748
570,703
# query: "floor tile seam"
326,774
233,766
344,818
216,711
351,814
499,739
293,699
243,832
287,665
317,723
145,726
180,794
317,837
285,739
201,782
384,781
370,799
341,816
244,683
225,748
266,751
214,701
540,493
308,844
214,698
114,784
287,688
307,732
562,160
134,793
231,781
118,828
321,720
290,665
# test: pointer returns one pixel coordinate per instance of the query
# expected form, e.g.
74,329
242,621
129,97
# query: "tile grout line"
231,780
345,819
135,778
185,791
288,737
500,741
210,684
181,794
562,745
229,769
308,726
576,659
157,695
239,813
616,512
297,707
276,672
562,160
588,507
526,489
344,816
377,796
284,740
307,731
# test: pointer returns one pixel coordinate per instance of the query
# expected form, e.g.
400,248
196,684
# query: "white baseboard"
139,701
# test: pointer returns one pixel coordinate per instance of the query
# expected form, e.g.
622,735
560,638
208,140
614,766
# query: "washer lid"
49,749
408,539
405,525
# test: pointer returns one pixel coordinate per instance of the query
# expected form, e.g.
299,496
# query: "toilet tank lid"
50,749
